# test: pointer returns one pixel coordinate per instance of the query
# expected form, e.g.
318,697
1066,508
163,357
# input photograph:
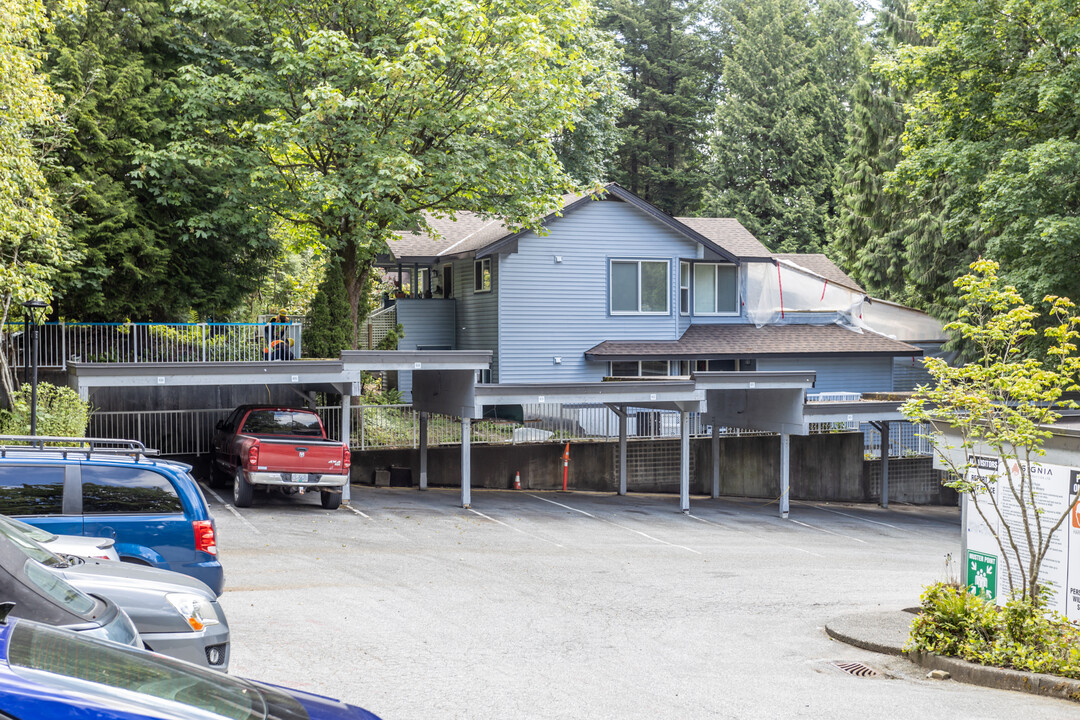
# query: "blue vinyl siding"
477,326
839,374
427,323
553,309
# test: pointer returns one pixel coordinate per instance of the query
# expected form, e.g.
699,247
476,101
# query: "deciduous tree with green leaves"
1004,399
32,248
357,118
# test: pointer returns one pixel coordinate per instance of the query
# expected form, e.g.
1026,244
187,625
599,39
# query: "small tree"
329,329
1003,400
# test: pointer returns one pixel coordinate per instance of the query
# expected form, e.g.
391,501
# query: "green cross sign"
982,574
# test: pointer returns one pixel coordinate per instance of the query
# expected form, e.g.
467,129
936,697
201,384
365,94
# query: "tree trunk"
356,272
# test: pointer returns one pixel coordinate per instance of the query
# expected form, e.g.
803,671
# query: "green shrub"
59,412
1022,635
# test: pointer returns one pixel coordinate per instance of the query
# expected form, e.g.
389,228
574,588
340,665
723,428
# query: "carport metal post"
423,450
684,461
785,474
715,461
346,436
466,456
621,412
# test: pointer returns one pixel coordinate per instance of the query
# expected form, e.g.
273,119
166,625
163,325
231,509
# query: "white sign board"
1053,486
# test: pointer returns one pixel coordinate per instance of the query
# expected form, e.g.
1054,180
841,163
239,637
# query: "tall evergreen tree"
873,224
671,59
778,131
144,260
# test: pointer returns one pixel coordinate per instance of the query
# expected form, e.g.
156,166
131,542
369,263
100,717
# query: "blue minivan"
153,508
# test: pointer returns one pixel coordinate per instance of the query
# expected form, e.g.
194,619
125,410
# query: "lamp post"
32,309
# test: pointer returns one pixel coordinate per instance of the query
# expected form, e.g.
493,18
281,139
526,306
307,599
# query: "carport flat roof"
644,393
857,411
755,380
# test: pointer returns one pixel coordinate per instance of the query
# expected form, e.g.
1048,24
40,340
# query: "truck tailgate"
300,455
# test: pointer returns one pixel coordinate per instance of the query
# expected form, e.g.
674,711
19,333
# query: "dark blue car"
48,672
152,508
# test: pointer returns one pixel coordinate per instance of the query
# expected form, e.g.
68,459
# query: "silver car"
175,614
92,548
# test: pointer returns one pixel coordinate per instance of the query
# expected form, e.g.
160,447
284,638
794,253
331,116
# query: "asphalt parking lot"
585,605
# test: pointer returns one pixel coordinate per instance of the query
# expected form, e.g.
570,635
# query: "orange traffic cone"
517,481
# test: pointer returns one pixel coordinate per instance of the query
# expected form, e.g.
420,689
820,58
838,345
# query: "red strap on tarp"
781,284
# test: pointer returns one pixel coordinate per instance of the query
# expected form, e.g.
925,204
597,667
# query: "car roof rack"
73,445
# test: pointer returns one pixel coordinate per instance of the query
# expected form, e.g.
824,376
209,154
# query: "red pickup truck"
269,446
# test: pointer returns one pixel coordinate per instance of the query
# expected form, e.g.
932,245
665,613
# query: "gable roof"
470,233
719,341
728,233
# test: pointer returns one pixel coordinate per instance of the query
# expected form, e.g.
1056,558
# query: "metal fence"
59,342
171,432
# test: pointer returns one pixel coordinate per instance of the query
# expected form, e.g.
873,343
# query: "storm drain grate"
857,669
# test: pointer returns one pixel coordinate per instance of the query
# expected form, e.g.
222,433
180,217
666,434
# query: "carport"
342,376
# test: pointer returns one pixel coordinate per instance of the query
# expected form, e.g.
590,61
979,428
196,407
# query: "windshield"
67,657
59,589
34,533
283,422
30,548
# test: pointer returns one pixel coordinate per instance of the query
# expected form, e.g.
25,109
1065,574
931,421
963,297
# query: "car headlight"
196,610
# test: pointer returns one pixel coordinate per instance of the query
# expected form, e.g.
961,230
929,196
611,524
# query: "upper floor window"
448,281
716,289
684,288
482,276
639,287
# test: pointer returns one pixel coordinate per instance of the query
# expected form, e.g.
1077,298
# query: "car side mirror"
220,425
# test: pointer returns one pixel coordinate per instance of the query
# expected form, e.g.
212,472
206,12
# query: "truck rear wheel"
330,500
242,492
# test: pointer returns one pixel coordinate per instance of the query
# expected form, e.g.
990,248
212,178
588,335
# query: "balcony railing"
60,342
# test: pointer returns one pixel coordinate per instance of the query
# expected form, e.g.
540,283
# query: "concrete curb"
1001,678
863,643
886,633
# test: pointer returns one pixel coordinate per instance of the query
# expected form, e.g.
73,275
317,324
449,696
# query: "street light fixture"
33,307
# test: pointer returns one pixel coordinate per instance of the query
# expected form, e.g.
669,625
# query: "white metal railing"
377,326
171,432
146,342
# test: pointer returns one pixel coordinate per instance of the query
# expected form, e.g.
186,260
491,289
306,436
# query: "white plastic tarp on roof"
777,291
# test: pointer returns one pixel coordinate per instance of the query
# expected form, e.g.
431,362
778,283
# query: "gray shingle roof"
729,234
731,341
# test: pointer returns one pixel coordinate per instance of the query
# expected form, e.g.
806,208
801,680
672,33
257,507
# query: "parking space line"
830,532
789,547
352,509
500,522
234,511
612,522
855,517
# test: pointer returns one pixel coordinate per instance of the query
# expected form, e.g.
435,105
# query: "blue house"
619,288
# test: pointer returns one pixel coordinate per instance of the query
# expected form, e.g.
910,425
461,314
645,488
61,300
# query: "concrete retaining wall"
828,467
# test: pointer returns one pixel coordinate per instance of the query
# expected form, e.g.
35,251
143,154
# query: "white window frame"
667,286
478,275
684,300
715,290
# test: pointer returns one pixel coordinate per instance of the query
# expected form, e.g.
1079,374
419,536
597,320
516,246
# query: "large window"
716,289
639,287
482,277
644,368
